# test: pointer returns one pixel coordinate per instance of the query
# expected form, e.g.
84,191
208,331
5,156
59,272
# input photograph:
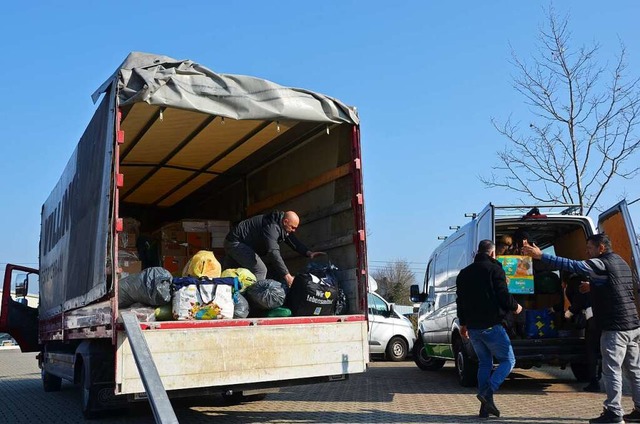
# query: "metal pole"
158,398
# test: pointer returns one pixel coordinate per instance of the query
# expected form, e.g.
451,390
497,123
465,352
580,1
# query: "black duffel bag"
309,296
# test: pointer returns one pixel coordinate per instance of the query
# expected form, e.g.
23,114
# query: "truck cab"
562,234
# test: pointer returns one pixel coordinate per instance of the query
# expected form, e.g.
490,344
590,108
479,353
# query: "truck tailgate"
231,352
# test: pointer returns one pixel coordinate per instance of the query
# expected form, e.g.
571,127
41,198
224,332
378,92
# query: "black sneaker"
593,387
486,398
633,417
607,417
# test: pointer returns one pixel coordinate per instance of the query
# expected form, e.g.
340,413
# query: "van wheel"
580,371
467,370
424,361
50,382
397,349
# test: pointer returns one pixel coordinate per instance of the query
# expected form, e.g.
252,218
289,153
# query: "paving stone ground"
388,393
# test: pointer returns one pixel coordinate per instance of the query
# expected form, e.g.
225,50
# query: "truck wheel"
397,349
50,382
424,361
88,396
580,371
467,370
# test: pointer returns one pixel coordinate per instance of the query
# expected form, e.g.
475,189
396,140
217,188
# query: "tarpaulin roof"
164,81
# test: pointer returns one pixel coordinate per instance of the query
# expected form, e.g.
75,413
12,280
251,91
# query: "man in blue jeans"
483,300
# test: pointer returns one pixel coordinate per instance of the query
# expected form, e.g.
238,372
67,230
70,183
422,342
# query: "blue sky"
426,77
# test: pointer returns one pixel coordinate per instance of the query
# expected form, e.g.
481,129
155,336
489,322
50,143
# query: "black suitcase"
309,298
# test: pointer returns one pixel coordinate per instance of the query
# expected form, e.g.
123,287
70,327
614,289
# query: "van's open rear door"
17,318
616,223
485,226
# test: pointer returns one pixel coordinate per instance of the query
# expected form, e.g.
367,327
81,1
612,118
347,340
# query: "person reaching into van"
255,244
614,309
483,300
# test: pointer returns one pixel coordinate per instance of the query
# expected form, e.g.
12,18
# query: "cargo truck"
172,140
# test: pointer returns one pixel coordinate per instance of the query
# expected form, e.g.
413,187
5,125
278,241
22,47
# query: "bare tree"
583,128
394,280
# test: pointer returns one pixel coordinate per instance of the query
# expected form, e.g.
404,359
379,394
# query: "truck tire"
50,382
580,371
397,349
424,361
465,367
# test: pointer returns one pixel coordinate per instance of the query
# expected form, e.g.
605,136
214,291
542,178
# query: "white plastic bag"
190,300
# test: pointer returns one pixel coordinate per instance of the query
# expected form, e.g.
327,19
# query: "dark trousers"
592,339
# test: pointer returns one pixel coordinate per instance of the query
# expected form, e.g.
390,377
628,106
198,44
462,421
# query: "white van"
390,333
563,234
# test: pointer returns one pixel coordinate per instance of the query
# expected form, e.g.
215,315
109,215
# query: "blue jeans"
489,343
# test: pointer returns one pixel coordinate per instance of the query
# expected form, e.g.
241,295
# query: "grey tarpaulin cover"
163,81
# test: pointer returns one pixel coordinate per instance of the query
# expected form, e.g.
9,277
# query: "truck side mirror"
392,310
415,295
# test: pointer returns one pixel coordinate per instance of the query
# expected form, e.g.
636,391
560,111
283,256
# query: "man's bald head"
290,221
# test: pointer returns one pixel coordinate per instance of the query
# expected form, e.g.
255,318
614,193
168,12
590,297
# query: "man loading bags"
255,244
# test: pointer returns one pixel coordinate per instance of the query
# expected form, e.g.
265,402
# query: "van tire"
424,361
50,382
397,349
580,371
466,369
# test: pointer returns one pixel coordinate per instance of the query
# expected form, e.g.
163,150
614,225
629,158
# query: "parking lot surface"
388,393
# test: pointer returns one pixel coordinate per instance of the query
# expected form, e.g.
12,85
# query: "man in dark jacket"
255,244
614,309
483,300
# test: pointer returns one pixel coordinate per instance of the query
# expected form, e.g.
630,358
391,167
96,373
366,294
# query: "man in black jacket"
255,244
614,309
483,300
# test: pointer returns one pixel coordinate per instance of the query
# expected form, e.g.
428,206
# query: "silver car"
390,333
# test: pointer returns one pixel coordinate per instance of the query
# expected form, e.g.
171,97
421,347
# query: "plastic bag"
150,287
202,264
144,313
241,306
246,277
195,298
266,294
324,271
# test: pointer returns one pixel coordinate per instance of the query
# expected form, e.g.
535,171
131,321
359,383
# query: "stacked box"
130,231
173,247
128,261
218,230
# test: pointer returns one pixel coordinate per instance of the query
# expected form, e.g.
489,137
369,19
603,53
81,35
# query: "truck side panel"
225,356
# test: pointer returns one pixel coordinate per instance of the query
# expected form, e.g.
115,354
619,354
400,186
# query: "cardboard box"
174,264
128,261
127,240
169,248
199,241
194,226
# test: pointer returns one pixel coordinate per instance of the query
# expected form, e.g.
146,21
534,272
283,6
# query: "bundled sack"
205,298
246,277
150,287
326,273
265,294
202,264
540,324
241,306
308,296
